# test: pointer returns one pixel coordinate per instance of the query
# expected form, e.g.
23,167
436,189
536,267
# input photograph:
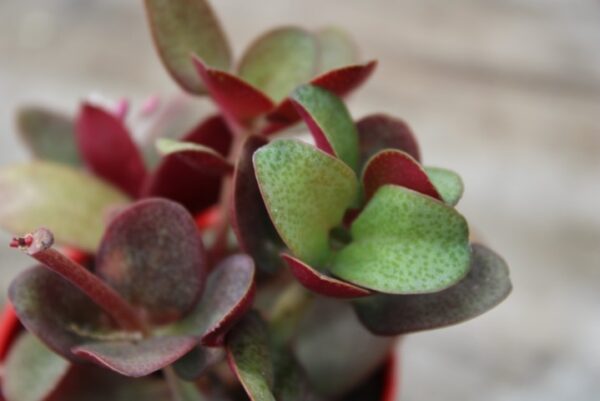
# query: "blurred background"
507,93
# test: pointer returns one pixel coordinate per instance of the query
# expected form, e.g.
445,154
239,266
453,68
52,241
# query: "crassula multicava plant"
227,262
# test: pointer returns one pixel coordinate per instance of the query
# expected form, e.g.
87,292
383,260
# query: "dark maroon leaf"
321,283
176,180
379,131
229,294
486,285
200,157
70,319
136,358
153,256
398,168
108,149
196,362
251,222
341,82
238,100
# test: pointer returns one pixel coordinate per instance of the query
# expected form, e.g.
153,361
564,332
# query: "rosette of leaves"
147,302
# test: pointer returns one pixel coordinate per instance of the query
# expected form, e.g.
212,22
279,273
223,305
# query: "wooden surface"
507,93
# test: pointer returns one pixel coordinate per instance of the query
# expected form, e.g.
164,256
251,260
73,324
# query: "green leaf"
279,61
306,193
32,371
248,353
486,285
405,242
329,122
181,28
49,135
448,183
336,49
71,203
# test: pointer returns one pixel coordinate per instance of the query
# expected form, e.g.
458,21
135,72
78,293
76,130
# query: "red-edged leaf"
379,131
70,319
321,283
196,362
341,82
229,294
108,149
139,358
201,157
486,285
397,168
174,179
152,254
251,222
237,99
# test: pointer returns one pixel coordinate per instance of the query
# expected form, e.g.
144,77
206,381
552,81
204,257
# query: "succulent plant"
295,264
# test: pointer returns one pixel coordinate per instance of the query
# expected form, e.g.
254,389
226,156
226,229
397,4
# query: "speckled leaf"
238,100
306,193
336,49
196,362
31,370
396,167
176,180
379,131
198,156
181,28
229,294
108,150
251,222
153,256
405,242
340,82
320,283
486,285
329,122
49,135
43,194
136,358
249,358
336,351
448,184
69,320
279,61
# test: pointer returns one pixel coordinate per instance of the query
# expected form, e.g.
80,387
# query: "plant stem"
38,245
288,311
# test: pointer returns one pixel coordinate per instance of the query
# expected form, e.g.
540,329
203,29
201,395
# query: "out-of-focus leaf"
239,101
32,371
448,184
321,283
248,355
49,135
43,194
279,61
329,122
70,319
336,351
396,167
201,157
108,150
196,362
152,254
379,131
336,49
306,192
486,285
181,28
251,222
136,358
405,243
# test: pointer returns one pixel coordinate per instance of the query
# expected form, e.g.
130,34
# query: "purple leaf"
153,256
108,149
136,358
321,283
251,222
379,131
484,287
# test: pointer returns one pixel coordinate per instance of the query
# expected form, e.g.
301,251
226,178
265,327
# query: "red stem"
38,245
